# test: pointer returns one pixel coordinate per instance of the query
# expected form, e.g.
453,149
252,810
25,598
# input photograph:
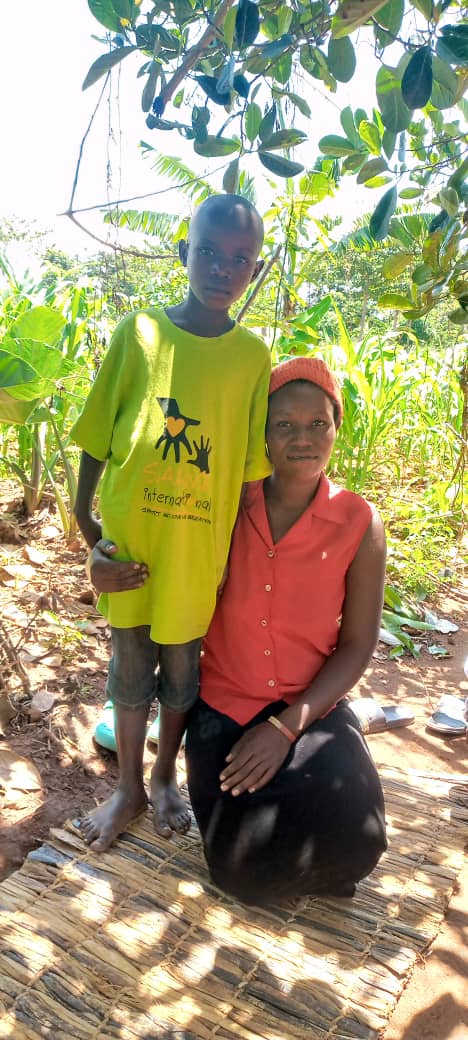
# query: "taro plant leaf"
283,139
39,323
279,165
13,410
216,146
104,11
380,219
48,363
396,115
416,84
14,371
353,13
341,58
105,63
452,44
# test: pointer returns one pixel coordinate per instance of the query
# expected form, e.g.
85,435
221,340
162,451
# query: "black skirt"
317,827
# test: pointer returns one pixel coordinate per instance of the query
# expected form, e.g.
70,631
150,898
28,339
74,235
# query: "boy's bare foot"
171,813
105,823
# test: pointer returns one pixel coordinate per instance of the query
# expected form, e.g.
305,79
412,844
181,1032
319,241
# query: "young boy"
176,420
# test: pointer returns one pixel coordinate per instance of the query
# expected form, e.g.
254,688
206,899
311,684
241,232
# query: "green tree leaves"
105,63
215,146
416,85
380,219
247,23
452,44
396,115
243,77
341,59
279,165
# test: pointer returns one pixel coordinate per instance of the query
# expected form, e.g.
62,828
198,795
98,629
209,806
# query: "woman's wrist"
282,728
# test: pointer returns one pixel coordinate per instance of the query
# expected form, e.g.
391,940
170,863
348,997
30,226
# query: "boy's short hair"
228,208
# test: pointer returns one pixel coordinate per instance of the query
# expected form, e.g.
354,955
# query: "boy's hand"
254,759
108,575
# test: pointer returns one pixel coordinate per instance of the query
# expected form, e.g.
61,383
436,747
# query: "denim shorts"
141,670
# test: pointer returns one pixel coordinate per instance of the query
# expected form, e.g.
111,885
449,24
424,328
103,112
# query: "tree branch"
258,284
196,52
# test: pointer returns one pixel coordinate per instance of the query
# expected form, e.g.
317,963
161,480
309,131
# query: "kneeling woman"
282,785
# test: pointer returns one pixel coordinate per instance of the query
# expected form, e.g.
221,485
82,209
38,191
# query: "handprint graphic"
174,433
202,452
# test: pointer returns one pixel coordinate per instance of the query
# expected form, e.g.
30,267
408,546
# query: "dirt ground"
49,620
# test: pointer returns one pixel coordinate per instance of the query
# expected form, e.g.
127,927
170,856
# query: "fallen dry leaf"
18,774
16,574
34,651
41,703
34,555
50,531
7,712
12,613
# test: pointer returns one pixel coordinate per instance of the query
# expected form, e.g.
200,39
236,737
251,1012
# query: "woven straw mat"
136,942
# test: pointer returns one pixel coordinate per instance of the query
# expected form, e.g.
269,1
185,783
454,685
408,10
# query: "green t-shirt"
180,421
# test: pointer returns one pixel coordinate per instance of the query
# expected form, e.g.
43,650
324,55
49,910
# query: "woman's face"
301,430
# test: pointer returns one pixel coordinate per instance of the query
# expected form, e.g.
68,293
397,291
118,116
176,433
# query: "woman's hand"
108,575
254,759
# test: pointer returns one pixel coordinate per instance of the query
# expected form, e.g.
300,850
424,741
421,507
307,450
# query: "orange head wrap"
315,371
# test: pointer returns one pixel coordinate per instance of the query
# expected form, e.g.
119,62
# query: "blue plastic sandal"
104,731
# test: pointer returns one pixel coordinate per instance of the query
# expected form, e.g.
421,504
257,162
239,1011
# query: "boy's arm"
88,478
106,574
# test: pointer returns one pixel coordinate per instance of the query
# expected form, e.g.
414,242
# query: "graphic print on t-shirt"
174,433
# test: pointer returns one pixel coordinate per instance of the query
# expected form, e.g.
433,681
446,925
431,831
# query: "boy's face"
221,258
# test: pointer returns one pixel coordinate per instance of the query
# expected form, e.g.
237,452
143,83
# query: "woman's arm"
257,756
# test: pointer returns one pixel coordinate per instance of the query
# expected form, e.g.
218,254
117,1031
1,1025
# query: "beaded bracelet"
282,728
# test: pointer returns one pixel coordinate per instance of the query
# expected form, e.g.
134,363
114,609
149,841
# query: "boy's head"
221,253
